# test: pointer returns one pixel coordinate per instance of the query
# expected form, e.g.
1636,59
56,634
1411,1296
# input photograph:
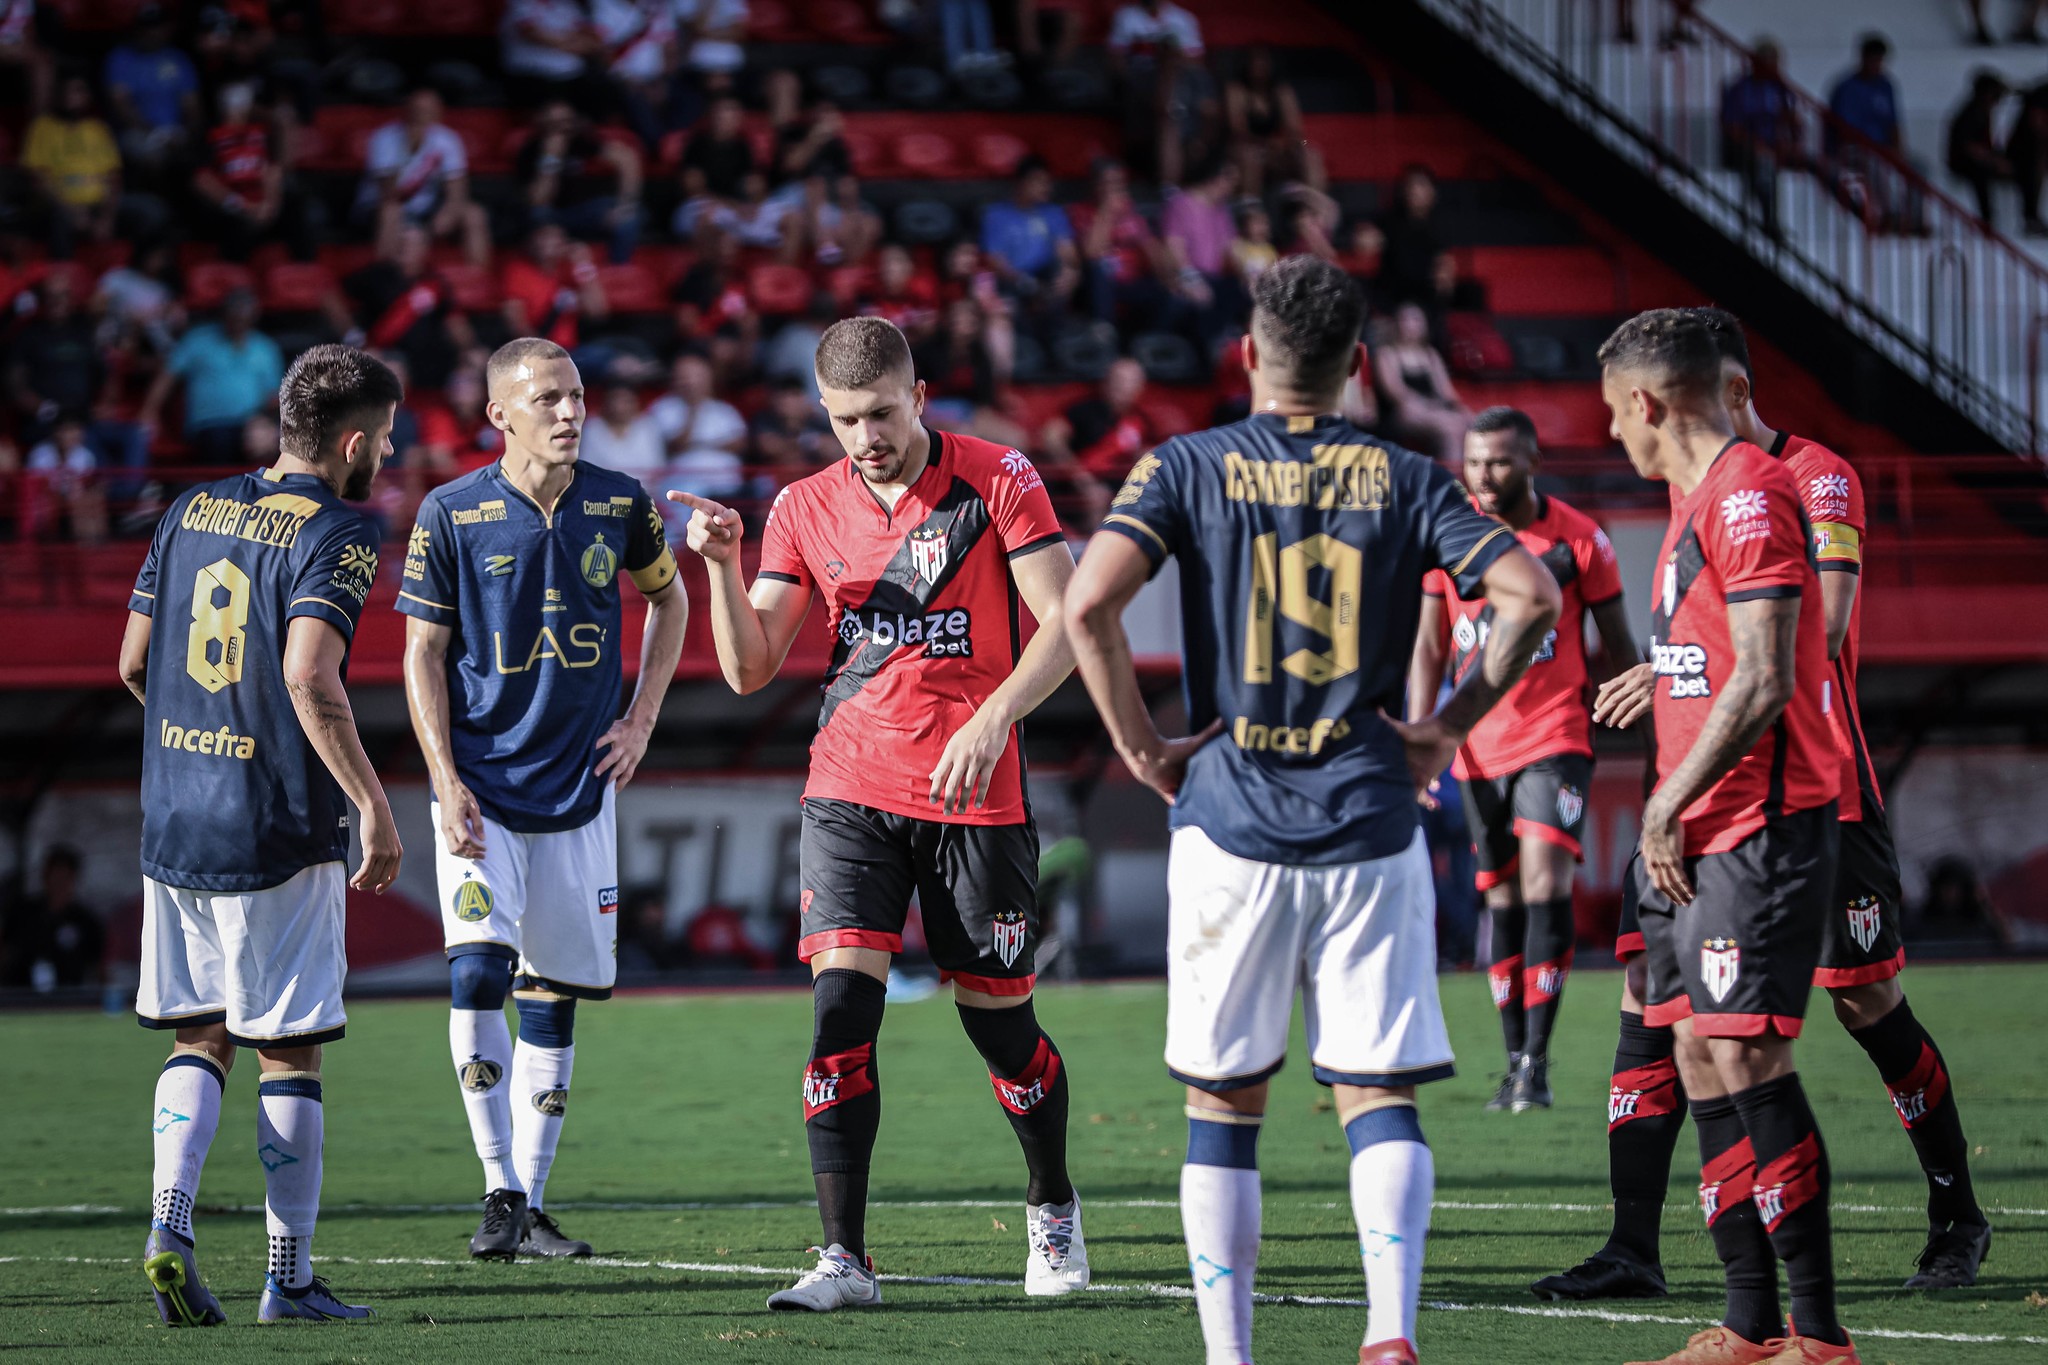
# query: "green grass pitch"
684,1162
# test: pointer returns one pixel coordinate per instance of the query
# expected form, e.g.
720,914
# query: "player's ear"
1248,353
495,411
1738,392
1357,358
917,396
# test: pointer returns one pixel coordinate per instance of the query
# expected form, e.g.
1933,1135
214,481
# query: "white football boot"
839,1280
1058,1263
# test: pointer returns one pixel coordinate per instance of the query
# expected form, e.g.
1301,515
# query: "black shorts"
1859,940
1739,959
1628,937
1546,799
977,886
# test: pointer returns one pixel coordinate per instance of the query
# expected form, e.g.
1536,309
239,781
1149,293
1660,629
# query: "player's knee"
1389,1116
547,1023
847,1009
1859,1007
479,981
1023,1065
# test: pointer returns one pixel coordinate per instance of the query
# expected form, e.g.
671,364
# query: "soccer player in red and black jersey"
1525,769
921,543
1738,851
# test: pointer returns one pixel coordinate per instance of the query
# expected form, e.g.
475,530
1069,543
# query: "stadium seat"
1547,280
993,90
779,290
841,84
1086,351
476,289
925,222
372,80
924,153
997,153
840,21
207,285
296,287
845,285
914,87
631,288
380,18
1167,357
1075,88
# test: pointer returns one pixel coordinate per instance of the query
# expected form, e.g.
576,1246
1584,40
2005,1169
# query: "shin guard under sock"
1792,1184
1727,1187
1645,1110
843,1099
1914,1072
1546,962
1030,1082
1504,975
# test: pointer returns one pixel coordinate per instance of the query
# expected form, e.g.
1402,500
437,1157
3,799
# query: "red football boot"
1399,1351
1720,1346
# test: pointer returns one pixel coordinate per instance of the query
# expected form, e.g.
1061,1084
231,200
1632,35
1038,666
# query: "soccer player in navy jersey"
237,644
1297,851
922,544
514,676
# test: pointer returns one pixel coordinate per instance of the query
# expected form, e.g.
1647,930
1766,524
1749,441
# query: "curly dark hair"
1681,346
326,393
1306,316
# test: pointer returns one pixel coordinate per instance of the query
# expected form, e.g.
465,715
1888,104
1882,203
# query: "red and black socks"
1510,927
1030,1082
843,1100
1546,962
1792,1198
1727,1189
1645,1110
1917,1077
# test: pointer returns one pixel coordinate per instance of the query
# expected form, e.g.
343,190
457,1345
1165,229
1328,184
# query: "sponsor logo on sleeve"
357,570
416,554
1746,514
1020,468
1141,474
1827,497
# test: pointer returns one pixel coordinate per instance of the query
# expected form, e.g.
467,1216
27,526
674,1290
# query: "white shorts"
1360,938
269,964
547,901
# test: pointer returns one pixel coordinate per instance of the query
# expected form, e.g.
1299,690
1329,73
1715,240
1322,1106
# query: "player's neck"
542,482
1751,428
1294,403
1522,515
1692,453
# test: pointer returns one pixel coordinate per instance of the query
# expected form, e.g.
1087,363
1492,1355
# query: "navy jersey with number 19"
233,796
1302,545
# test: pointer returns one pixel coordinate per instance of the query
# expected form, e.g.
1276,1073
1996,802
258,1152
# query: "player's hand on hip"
1625,698
1663,849
1431,745
968,766
381,851
714,529
625,744
1165,768
462,823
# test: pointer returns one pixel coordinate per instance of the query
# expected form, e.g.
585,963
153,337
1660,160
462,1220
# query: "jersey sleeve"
1020,508
428,588
782,557
143,597
1463,542
1834,507
1599,571
336,575
1755,538
1435,584
1148,510
648,556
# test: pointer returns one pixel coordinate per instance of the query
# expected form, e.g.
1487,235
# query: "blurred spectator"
639,36
403,303
1029,243
805,145
1425,409
792,353
243,195
1308,222
61,480
964,275
1956,910
645,944
713,310
620,436
1156,50
52,940
417,171
1974,154
962,372
1049,31
153,92
2026,147
55,368
585,184
1409,240
74,169
902,294
230,371
1092,447
553,50
1264,119
1128,267
709,36
394,500
1867,102
1760,131
703,434
1252,251
550,287
715,165
967,37
1865,99
791,433
821,229
20,51
1198,230
138,303
2026,22
456,434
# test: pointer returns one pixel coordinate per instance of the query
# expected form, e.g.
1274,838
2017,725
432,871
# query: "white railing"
1854,227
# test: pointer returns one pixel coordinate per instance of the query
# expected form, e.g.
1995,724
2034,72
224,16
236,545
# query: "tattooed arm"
1765,632
313,654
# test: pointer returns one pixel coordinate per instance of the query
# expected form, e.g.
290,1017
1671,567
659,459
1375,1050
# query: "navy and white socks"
188,1098
1219,1214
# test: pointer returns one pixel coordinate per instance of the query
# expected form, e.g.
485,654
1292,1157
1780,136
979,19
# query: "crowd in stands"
684,218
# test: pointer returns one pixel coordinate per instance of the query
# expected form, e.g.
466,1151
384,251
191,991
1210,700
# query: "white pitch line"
1148,1290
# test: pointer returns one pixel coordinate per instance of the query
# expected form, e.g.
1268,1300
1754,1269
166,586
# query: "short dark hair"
517,351
60,855
1676,344
1504,418
1306,316
856,352
1727,329
325,392
1875,44
1027,164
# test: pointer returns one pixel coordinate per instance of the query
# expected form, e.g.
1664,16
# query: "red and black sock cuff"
842,1090
1908,1062
1727,1160
1023,1064
1504,976
1791,1162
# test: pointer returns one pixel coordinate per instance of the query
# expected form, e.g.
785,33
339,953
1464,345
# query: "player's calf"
290,1132
1393,1177
1030,1081
843,1100
543,1060
1219,1214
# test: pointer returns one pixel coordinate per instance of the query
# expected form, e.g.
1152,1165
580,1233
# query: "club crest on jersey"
929,552
1009,935
1720,964
600,563
1866,917
1571,804
472,901
479,1074
1465,635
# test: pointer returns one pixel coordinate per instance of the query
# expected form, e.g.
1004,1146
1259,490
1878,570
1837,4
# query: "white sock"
1219,1214
188,1095
540,1096
289,1128
482,1046
1393,1178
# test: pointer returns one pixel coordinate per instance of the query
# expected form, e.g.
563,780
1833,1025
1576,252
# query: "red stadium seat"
840,20
846,283
631,288
998,153
779,290
925,153
296,287
381,18
865,151
208,284
476,289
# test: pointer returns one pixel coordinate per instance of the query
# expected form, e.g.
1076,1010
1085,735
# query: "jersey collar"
1299,424
497,473
1784,438
271,476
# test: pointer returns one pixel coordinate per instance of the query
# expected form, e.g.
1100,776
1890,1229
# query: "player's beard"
356,487
888,471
